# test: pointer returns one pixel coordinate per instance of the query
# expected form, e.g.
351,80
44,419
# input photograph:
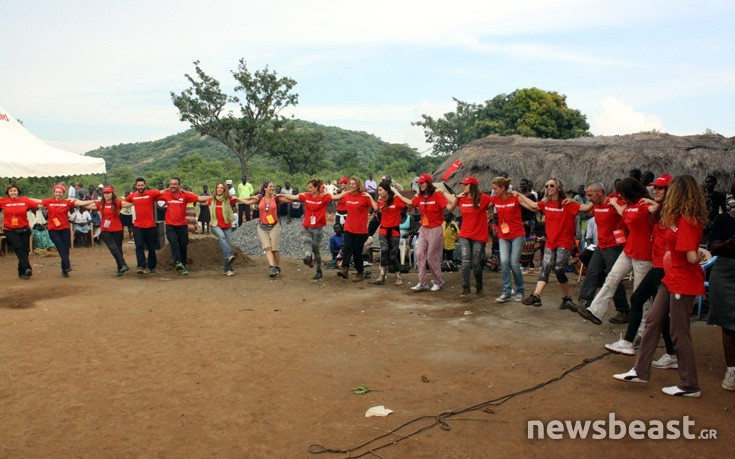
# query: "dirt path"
245,366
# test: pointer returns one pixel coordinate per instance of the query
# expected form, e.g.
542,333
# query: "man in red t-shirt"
177,230
145,228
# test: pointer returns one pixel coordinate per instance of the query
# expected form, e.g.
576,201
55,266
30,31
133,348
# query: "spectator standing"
244,191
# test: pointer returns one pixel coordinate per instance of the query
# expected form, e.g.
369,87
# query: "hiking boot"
666,362
630,376
504,298
676,392
420,288
619,318
532,300
729,382
308,260
587,315
344,273
567,303
621,347
465,292
359,277
318,274
29,272
64,273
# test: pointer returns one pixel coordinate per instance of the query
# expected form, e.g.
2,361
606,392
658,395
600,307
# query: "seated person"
80,220
96,221
41,238
296,211
336,241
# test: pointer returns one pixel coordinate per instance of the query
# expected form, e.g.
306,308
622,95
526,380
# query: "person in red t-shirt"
473,235
561,225
637,251
145,228
111,229
177,229
511,236
58,223
648,287
429,248
389,233
358,203
16,227
684,214
341,215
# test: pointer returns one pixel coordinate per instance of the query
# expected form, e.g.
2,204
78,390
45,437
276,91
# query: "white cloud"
617,118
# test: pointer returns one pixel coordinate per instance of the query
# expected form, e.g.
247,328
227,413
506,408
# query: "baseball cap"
470,181
662,180
425,178
108,189
228,182
344,180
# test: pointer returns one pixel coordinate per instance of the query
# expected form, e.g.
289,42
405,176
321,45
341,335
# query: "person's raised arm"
338,196
288,197
529,204
452,200
251,200
401,197
618,207
373,204
78,203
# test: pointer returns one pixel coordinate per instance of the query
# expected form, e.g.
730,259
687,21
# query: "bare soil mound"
203,254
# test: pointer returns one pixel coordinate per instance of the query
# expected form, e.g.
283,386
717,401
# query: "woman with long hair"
511,237
637,254
58,223
648,287
16,227
316,201
473,235
429,248
111,229
560,215
357,203
221,217
389,233
269,227
684,215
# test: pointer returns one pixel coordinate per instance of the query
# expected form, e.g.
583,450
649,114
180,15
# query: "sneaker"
230,259
272,271
466,292
64,273
152,271
479,293
676,392
318,274
29,272
587,315
729,382
184,271
124,269
518,297
308,260
532,300
619,318
630,376
179,266
437,287
621,347
420,288
567,303
666,362
399,281
504,298
140,270
229,273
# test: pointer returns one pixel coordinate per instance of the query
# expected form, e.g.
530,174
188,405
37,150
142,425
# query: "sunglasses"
550,185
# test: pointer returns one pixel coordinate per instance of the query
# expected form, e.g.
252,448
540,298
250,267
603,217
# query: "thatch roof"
605,158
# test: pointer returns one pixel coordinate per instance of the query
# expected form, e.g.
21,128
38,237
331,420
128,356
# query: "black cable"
440,419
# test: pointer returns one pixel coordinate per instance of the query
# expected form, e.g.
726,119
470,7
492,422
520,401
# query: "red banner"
451,170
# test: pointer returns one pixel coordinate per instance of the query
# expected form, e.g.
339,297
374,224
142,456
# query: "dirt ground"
247,366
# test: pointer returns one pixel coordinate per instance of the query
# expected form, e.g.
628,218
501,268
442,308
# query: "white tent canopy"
24,155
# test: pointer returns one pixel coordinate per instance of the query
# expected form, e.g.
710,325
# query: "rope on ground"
440,420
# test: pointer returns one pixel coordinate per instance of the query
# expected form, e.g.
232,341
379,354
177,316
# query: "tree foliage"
529,112
264,96
298,150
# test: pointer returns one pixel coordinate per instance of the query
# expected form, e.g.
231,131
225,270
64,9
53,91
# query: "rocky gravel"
246,238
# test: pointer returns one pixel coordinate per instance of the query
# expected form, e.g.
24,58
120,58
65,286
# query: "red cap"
662,180
425,178
108,189
344,180
469,181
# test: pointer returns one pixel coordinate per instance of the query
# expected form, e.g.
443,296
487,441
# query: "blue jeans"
473,253
223,236
510,261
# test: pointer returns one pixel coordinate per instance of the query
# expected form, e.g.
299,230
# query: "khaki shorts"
269,239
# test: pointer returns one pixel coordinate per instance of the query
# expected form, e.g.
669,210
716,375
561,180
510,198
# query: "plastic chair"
705,267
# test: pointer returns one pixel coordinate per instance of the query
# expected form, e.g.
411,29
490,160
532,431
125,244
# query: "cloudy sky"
83,74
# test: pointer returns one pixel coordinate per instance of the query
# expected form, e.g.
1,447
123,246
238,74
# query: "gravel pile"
246,238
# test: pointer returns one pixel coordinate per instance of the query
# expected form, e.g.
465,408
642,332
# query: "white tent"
24,155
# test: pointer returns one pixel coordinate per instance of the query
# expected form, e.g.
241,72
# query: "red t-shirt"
144,204
110,216
659,245
268,216
431,208
315,209
15,212
176,206
608,220
358,206
637,219
58,212
390,216
474,221
510,223
561,226
218,212
684,278
341,204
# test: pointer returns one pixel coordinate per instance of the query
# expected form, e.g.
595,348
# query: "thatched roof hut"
605,158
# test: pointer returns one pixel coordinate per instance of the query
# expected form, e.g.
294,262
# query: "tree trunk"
243,165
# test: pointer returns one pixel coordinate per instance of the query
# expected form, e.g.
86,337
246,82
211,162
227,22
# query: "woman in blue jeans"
221,218
511,236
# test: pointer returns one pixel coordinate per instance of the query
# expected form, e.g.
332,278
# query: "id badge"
424,220
56,222
14,221
312,220
619,236
107,223
504,228
270,219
